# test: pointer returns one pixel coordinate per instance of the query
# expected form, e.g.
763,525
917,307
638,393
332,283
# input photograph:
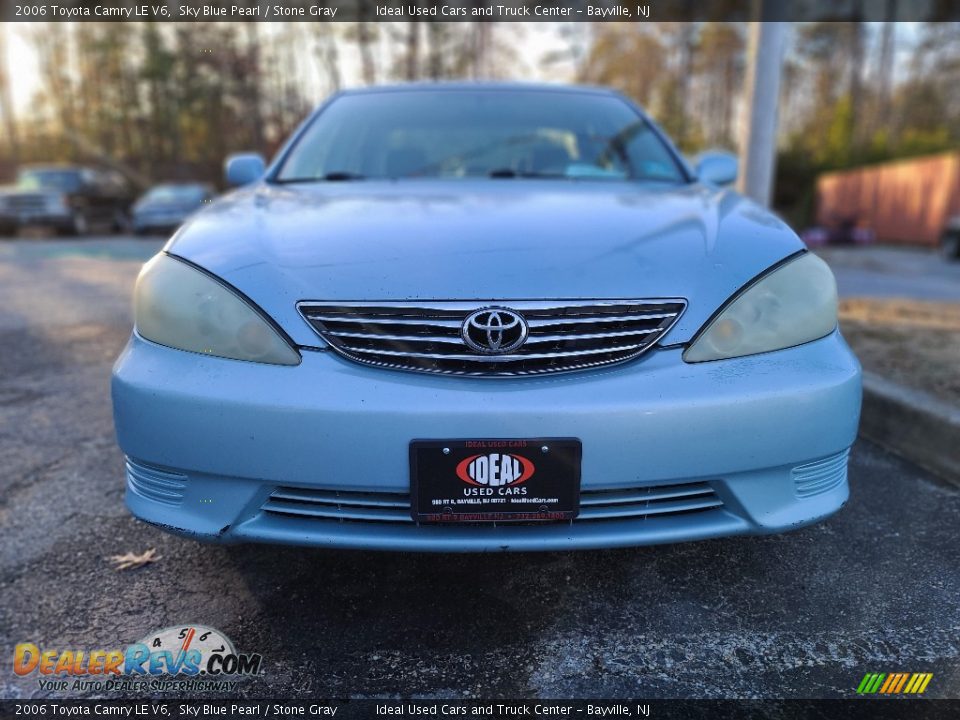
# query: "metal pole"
758,144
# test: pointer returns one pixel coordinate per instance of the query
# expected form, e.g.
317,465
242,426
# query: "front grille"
27,203
153,483
820,476
563,335
595,505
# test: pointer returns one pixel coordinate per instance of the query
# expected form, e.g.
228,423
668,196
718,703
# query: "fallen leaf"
133,561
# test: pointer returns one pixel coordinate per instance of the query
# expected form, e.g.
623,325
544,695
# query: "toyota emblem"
494,331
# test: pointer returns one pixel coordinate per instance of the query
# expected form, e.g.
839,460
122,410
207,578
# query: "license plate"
495,480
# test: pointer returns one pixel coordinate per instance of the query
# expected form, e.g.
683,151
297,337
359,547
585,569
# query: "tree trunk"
6,101
365,43
253,82
412,71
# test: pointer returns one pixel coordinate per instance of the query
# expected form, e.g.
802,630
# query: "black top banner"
476,10
148,709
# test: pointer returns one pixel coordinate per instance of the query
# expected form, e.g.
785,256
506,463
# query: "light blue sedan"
484,317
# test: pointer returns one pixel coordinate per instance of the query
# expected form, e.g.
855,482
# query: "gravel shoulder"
911,342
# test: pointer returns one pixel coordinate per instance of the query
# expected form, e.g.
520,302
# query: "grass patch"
911,342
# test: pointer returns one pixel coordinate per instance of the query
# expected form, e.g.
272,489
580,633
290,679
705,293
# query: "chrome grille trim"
595,505
564,335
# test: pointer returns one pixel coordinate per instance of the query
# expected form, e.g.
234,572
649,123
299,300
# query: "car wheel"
8,231
78,225
950,246
122,223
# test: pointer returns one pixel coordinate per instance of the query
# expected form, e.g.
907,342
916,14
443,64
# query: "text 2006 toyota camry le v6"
479,317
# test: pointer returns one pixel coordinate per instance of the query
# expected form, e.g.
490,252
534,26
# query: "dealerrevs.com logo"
185,657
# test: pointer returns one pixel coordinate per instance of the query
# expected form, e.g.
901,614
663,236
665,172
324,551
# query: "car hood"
164,206
491,240
17,191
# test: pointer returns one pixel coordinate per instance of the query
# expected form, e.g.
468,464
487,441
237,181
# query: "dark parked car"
68,198
164,207
950,239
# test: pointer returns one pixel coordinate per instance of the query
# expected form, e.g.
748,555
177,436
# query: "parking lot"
893,272
874,589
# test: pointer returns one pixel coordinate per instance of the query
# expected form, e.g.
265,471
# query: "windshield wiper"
334,176
341,175
511,173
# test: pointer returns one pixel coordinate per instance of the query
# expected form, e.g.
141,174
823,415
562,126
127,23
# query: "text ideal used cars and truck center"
484,317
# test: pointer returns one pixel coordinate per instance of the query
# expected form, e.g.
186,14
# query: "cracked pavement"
876,588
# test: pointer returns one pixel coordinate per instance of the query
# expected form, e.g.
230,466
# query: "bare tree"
481,49
720,71
412,52
6,101
252,81
365,36
325,48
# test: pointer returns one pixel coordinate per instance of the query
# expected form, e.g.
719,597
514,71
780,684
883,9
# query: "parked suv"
68,198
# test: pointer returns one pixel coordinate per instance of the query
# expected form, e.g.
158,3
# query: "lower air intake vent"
595,505
818,477
155,484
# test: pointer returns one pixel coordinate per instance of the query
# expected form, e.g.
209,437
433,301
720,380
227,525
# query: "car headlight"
181,307
792,305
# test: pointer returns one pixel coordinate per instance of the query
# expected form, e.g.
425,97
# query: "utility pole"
758,144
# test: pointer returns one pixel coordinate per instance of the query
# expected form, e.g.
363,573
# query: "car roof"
55,166
461,85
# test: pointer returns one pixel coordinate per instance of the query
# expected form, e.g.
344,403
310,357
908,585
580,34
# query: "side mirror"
716,167
244,168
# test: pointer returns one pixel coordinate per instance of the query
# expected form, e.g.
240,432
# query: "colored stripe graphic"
901,681
891,680
894,683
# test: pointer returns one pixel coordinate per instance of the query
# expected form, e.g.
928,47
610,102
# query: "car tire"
77,226
8,231
950,246
122,223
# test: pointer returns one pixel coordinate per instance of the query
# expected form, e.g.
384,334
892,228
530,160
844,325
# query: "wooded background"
171,100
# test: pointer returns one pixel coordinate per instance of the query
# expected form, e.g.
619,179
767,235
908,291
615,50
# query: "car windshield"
479,133
64,180
175,194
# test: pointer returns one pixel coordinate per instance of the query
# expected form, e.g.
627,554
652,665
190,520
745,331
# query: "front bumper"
210,440
57,220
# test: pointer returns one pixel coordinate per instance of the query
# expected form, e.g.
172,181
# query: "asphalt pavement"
876,588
